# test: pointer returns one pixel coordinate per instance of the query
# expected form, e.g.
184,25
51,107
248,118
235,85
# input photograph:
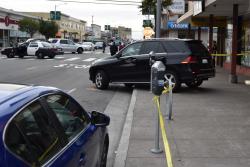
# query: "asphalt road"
68,72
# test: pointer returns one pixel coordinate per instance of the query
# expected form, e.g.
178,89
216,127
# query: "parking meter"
157,77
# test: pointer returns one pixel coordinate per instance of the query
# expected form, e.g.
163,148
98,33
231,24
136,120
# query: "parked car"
67,45
43,126
187,61
98,45
20,50
42,49
89,46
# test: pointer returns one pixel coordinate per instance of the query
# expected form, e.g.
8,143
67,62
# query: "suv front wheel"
101,80
171,75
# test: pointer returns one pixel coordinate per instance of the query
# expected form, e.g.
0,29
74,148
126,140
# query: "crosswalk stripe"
72,59
89,59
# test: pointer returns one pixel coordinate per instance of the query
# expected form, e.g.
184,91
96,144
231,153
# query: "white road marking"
72,90
72,59
89,59
77,66
30,59
31,68
59,57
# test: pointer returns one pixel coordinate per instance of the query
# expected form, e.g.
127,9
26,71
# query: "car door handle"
82,160
130,60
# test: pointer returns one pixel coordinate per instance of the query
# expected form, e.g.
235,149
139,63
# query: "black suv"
187,61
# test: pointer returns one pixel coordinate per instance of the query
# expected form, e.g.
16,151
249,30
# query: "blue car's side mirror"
99,119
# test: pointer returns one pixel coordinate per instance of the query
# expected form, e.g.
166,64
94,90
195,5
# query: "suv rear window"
197,48
175,46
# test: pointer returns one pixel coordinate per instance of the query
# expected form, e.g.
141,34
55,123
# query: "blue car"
43,126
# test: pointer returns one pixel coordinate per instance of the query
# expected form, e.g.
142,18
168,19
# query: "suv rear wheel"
194,84
101,80
170,75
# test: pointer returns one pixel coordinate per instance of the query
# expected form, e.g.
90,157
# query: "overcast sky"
128,16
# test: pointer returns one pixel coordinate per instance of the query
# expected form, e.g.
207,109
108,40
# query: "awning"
221,9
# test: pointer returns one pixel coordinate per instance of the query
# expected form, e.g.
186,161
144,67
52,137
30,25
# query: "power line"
104,2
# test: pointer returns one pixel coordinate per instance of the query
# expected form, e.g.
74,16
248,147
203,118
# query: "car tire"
104,154
21,56
174,78
40,55
52,56
194,84
79,50
101,80
11,54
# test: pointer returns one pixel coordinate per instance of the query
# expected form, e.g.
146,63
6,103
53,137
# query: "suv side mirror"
99,119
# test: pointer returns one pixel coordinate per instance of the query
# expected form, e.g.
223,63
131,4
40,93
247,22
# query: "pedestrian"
103,47
120,46
113,49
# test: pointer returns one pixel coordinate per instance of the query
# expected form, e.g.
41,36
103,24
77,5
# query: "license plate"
204,61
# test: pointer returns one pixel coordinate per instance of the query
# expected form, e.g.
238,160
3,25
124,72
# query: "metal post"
169,98
157,149
233,76
170,101
211,33
55,13
158,19
199,33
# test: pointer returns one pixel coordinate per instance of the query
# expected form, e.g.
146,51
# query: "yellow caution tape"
247,53
163,130
46,152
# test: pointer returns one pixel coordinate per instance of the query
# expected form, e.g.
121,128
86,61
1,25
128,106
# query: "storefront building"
69,27
9,33
230,19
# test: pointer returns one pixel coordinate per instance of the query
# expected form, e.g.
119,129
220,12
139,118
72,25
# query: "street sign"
54,16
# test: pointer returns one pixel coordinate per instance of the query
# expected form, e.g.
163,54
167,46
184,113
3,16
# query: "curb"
121,156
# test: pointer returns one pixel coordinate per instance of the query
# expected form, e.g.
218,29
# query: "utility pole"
92,28
158,19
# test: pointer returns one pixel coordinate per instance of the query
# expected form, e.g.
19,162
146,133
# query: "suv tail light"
190,59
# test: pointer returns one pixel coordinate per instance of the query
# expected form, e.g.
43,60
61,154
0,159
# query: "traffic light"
54,16
107,27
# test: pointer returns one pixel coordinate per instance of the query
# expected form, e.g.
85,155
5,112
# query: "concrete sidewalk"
211,127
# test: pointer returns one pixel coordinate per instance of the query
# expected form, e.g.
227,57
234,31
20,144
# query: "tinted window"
70,115
175,46
32,136
197,48
33,45
63,41
71,43
54,41
133,49
152,46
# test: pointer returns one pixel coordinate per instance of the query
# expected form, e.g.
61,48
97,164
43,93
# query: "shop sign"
178,7
174,25
8,23
203,21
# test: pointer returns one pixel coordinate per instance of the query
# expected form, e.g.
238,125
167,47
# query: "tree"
48,28
149,6
28,25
